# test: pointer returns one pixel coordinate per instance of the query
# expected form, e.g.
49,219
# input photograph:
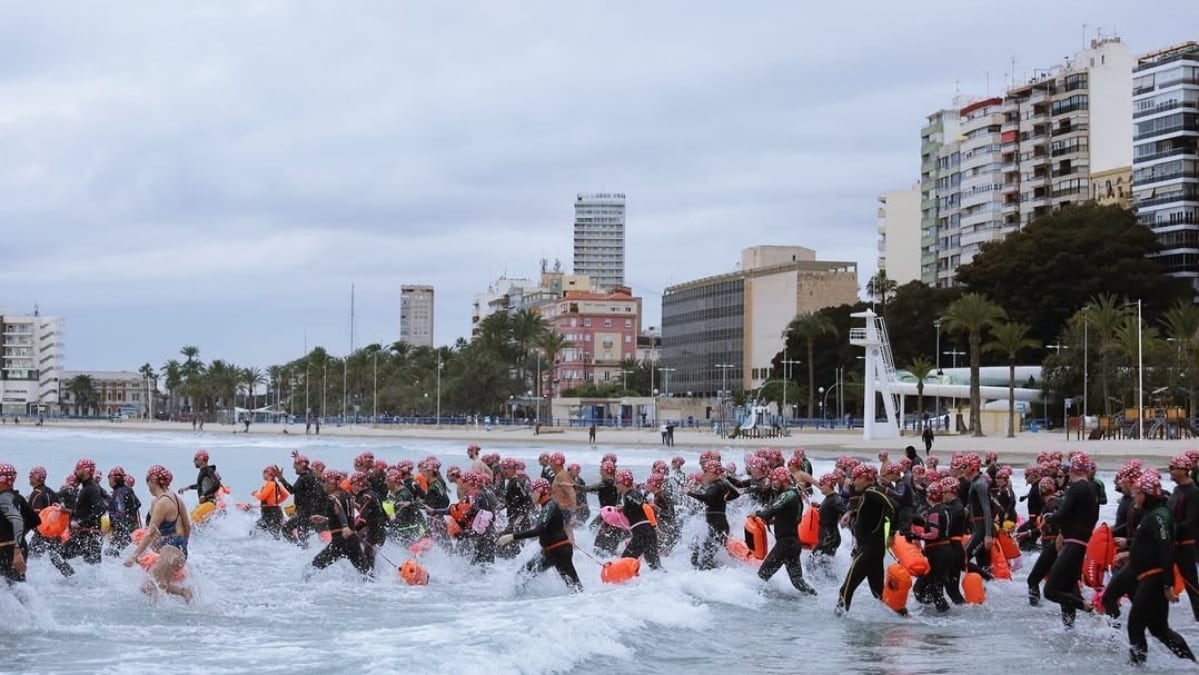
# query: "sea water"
254,612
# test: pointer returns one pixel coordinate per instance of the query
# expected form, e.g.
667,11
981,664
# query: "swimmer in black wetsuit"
644,541
1028,535
1076,517
831,511
664,506
550,530
1151,558
785,512
715,493
1128,514
371,521
309,498
12,528
869,517
208,481
337,514
41,497
89,507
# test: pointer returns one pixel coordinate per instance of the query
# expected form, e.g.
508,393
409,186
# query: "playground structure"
1167,423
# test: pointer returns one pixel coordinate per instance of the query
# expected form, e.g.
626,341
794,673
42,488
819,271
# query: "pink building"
601,330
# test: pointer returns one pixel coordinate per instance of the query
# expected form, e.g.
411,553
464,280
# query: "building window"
628,339
607,323
586,322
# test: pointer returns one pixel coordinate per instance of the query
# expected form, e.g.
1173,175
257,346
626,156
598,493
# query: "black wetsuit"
124,516
1048,532
607,537
715,498
873,510
518,503
1003,504
1028,535
1151,560
310,500
370,525
668,521
208,482
959,523
905,505
1124,580
12,532
556,548
982,524
482,544
85,539
408,524
1184,510
785,512
582,508
644,541
942,560
829,539
377,481
42,497
1076,517
338,509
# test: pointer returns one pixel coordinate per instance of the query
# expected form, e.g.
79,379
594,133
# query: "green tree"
972,314
1058,262
151,379
807,326
172,375
1182,326
1009,339
880,288
83,392
920,368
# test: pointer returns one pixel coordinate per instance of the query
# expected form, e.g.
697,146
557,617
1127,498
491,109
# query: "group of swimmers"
484,510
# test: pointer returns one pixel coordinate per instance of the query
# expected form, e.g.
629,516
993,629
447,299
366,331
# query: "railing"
1168,199
1190,126
1163,107
1173,152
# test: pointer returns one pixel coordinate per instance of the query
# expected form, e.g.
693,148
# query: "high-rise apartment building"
599,239
992,165
899,234
31,356
738,319
600,331
1165,91
416,315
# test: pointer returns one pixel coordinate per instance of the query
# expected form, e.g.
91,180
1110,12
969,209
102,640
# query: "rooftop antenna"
988,84
1013,73
1084,36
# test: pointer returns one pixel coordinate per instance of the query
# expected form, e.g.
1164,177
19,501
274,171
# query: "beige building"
116,392
416,315
725,330
899,234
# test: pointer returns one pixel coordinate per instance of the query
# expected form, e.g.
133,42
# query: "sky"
219,174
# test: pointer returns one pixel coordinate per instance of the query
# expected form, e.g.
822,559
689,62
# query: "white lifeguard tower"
879,376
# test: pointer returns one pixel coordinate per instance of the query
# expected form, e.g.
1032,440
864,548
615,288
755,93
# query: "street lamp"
724,392
940,373
786,382
666,379
375,407
1140,378
440,365
955,354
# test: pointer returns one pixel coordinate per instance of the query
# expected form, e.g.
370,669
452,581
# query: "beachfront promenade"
819,443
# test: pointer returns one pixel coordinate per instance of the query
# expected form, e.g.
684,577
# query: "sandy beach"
1020,450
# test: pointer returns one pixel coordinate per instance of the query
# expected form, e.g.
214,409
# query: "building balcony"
1172,152
1185,197
1166,107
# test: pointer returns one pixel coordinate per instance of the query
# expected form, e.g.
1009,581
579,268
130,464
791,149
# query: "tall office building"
990,166
899,234
416,315
599,239
1165,90
31,355
738,319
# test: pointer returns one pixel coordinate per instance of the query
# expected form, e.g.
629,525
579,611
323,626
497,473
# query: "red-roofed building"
601,330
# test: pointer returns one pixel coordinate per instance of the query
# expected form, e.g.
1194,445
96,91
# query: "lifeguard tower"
880,374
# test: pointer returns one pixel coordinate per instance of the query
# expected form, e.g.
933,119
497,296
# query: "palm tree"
253,378
808,326
83,391
1182,326
1009,339
551,344
920,368
1105,313
172,374
881,287
148,374
972,314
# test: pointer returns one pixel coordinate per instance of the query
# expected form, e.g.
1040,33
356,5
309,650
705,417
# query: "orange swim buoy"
345,485
896,587
809,528
1101,552
55,521
137,535
650,514
1011,549
620,570
413,574
739,550
202,512
326,536
421,545
910,556
1180,584
755,536
999,566
973,589
422,481
147,560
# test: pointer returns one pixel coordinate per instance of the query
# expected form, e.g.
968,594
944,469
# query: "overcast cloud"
219,173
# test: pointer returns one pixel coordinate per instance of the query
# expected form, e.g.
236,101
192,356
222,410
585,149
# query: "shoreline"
823,444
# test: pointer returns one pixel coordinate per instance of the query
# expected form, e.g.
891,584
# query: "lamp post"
786,383
940,373
375,398
955,354
440,364
666,379
1140,378
724,392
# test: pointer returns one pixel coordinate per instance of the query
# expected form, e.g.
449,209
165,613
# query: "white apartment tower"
599,239
992,165
1165,91
31,356
416,315
899,234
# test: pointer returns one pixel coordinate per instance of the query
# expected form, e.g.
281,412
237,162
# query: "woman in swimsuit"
166,534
